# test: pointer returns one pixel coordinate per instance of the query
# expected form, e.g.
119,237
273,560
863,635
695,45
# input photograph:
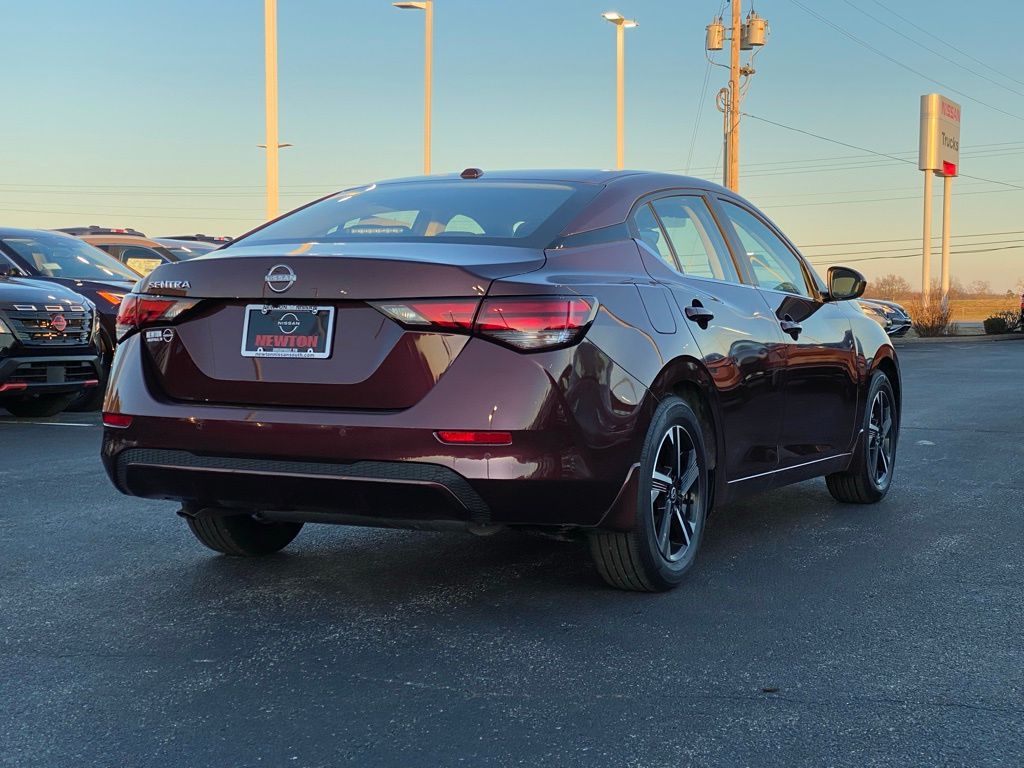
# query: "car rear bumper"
50,374
575,418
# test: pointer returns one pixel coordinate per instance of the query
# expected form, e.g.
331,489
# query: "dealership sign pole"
939,154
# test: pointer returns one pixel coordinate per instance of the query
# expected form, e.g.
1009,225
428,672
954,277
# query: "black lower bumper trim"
391,489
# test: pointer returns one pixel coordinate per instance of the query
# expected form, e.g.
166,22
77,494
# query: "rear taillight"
526,323
532,323
138,310
441,314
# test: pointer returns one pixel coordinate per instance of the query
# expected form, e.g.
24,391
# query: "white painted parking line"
19,422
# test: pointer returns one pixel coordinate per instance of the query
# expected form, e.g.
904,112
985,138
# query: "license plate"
291,330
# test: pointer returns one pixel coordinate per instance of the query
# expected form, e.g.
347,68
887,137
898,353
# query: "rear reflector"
533,323
14,386
118,420
138,310
474,438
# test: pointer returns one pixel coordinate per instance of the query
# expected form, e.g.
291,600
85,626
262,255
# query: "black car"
48,352
888,314
60,258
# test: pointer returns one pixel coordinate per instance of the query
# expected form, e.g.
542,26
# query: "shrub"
1002,322
995,324
931,319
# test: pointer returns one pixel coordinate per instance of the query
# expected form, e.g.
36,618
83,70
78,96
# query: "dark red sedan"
608,352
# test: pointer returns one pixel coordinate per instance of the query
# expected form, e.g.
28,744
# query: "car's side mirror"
845,284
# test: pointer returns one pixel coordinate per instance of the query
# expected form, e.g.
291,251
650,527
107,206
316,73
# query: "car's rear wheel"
42,405
242,535
870,474
672,507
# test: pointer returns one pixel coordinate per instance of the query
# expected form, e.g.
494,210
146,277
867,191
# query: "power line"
947,43
1018,241
917,254
826,138
909,239
871,151
887,199
701,97
899,63
941,55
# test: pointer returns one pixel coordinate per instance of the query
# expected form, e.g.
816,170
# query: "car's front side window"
698,244
774,265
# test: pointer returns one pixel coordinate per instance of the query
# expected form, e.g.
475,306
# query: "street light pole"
270,62
427,6
621,24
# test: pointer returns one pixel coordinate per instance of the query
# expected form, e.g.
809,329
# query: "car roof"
123,239
572,175
23,232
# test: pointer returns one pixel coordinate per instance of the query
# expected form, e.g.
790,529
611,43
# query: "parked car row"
50,283
143,254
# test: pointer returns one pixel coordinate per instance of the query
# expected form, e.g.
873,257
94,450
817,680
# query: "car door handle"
698,314
791,326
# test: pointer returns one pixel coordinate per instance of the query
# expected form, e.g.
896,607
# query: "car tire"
36,407
674,491
869,477
242,535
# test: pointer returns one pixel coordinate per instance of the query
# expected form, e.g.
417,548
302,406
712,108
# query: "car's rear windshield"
474,211
53,255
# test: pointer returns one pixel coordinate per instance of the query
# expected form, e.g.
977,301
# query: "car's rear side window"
653,235
501,212
696,240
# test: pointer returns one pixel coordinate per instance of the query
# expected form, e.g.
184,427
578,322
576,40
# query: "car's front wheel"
242,535
672,507
870,474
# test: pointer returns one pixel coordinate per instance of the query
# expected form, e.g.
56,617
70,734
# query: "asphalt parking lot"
810,633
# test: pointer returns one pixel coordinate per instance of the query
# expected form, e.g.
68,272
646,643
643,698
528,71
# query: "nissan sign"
940,135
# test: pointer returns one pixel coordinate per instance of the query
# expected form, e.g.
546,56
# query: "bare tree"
980,288
891,287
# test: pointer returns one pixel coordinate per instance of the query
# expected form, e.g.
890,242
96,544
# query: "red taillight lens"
118,420
532,323
138,310
443,314
450,437
527,323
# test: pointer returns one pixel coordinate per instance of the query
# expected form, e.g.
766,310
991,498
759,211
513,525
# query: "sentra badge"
178,285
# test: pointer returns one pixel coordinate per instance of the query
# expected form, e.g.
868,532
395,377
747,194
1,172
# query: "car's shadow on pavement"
386,570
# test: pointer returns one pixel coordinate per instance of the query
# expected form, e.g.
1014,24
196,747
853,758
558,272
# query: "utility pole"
732,149
748,35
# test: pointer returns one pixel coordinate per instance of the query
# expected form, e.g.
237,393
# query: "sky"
148,114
